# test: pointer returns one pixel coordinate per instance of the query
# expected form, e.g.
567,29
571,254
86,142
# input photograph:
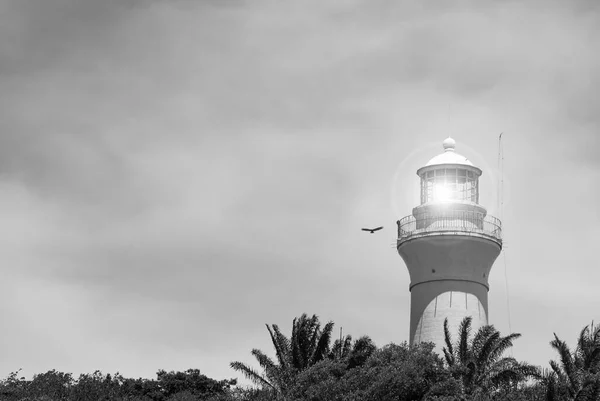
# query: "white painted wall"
449,278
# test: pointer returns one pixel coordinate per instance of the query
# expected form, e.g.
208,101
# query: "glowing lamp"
442,193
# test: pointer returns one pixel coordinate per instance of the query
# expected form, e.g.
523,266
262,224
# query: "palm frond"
596,335
271,371
481,338
463,341
281,345
449,350
505,377
251,374
297,326
556,369
551,390
595,389
508,372
583,348
592,361
314,330
305,332
502,345
322,346
590,389
584,335
484,345
534,371
588,350
568,365
449,357
529,371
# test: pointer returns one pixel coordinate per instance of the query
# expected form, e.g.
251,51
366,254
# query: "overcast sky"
176,174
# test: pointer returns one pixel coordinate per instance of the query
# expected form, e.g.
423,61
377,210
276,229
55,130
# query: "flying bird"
372,230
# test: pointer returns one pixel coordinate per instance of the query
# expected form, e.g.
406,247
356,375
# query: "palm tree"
577,377
353,353
308,345
478,362
341,348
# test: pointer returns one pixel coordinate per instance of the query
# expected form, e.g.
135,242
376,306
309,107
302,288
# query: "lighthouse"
449,244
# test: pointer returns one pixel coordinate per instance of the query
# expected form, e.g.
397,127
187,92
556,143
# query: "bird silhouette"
372,230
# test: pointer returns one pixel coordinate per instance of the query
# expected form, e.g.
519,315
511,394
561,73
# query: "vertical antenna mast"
500,176
500,215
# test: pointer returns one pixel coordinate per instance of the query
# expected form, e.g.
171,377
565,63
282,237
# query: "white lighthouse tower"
449,245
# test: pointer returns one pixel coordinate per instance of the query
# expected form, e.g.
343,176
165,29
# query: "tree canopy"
307,366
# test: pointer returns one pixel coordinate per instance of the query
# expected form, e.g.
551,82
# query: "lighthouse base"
434,301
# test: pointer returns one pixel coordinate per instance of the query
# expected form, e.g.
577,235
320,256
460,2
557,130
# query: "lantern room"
449,200
449,177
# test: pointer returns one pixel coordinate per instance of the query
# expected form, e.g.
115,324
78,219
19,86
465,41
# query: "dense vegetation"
308,366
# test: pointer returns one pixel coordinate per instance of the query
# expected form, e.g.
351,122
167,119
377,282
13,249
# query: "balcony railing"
458,221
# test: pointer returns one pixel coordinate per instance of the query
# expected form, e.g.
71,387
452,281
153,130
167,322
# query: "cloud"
175,174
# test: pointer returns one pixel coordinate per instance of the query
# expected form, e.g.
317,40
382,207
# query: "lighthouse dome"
449,156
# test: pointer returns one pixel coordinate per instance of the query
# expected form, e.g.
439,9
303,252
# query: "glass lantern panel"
453,178
461,188
429,190
452,192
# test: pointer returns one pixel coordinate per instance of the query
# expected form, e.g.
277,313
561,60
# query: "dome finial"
449,144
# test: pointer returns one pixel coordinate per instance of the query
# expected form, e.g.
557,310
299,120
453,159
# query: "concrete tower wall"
449,278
